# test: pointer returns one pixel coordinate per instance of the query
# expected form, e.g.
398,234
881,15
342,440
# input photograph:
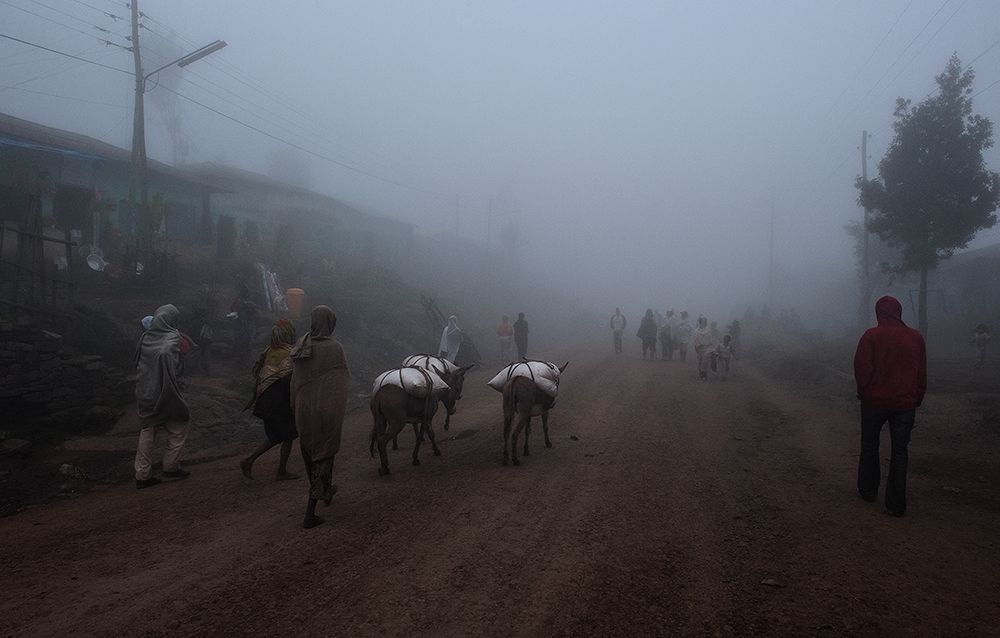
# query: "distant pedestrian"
724,355
159,398
736,330
272,400
682,335
246,323
647,334
980,339
890,368
505,338
618,323
319,398
521,336
666,349
451,340
704,346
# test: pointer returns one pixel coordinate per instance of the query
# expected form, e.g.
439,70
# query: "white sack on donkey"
429,362
414,380
543,373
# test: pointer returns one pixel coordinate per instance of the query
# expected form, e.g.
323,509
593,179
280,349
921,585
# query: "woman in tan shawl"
158,395
319,397
272,399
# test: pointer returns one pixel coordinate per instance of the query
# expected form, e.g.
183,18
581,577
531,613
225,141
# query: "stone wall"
47,387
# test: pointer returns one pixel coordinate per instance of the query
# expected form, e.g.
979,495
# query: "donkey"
432,362
522,400
393,407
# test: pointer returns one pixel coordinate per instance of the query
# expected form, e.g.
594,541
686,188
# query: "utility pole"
489,224
866,277
770,265
138,181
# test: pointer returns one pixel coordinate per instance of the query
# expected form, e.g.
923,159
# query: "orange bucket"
295,298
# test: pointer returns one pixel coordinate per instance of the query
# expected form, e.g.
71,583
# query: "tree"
934,192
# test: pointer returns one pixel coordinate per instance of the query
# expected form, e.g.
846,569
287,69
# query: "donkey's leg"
527,435
447,420
506,437
430,435
417,434
522,419
545,428
391,432
420,439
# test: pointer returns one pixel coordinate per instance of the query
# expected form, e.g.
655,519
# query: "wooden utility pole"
866,276
770,263
138,181
489,224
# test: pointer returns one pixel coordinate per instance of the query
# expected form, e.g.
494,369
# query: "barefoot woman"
272,398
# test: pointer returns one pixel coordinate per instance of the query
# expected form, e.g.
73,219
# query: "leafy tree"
934,192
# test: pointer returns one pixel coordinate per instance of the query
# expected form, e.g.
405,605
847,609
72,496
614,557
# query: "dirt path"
682,508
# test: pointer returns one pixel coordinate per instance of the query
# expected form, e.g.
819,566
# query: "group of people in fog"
300,392
715,351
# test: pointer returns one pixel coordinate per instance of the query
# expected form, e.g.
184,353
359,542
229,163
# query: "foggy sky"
637,144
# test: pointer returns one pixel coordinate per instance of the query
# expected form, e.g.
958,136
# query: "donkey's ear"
563,368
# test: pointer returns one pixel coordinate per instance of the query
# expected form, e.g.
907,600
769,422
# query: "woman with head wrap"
272,399
451,340
319,399
159,399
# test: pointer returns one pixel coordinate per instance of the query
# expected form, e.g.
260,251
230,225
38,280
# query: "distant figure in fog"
647,333
246,323
980,339
667,343
618,323
505,336
451,340
682,335
724,355
735,330
704,346
159,398
890,369
319,399
272,400
521,336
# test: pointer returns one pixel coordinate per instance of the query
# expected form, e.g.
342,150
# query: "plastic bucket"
295,298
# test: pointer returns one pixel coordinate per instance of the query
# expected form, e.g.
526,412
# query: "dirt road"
667,506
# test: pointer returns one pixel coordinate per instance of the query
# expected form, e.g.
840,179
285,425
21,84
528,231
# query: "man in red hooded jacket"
890,368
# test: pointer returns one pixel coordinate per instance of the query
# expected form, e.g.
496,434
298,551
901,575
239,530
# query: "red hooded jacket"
890,365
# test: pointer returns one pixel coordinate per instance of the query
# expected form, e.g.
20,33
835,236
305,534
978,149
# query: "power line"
100,10
304,149
219,64
988,87
929,40
66,26
63,53
66,97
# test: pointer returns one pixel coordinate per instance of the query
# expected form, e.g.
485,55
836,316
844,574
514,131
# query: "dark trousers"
869,469
522,347
618,342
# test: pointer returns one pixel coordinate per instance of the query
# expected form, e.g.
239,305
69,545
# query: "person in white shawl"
451,340
704,345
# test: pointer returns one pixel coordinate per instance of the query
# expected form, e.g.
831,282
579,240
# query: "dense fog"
626,154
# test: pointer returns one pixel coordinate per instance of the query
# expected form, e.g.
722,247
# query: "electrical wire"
332,160
63,53
66,97
66,26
